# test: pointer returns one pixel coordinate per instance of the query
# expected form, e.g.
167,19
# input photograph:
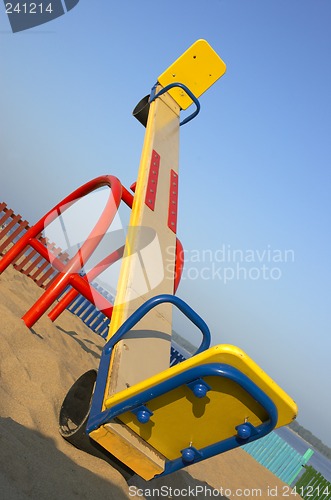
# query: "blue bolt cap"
244,431
200,390
143,416
188,455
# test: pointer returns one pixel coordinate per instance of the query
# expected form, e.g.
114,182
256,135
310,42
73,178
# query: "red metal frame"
70,295
68,272
66,275
87,188
179,264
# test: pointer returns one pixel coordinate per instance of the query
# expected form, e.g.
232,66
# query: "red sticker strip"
173,201
152,180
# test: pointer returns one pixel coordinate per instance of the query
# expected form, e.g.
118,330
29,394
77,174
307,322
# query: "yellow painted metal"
145,273
180,419
139,457
198,68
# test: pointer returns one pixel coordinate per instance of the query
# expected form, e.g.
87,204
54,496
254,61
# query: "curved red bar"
68,274
179,264
91,275
87,188
88,247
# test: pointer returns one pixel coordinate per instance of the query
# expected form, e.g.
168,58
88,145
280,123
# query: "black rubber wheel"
73,419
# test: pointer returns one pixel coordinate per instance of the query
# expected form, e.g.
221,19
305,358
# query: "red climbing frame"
70,295
68,273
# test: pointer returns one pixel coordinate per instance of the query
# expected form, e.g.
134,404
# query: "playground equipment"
152,418
136,412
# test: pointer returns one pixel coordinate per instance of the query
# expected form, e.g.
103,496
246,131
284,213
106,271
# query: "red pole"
105,180
91,275
179,264
84,253
47,254
94,297
127,197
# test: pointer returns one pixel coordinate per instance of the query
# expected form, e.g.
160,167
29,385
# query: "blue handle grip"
150,304
186,89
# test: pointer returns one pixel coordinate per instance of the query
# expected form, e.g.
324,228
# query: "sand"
37,367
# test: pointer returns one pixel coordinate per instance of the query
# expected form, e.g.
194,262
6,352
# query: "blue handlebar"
186,89
150,304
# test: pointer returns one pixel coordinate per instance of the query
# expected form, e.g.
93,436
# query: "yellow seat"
179,419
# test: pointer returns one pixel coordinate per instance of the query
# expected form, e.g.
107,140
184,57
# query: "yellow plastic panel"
180,419
134,453
198,68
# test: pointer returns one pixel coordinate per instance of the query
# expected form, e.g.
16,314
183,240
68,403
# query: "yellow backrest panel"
198,68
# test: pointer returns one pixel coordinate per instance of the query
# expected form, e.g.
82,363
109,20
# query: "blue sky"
254,165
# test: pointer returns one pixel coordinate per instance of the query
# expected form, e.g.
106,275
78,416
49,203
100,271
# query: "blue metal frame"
150,304
211,369
165,89
98,417
101,381
263,429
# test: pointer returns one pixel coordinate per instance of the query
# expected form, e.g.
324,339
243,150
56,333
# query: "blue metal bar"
100,318
99,326
104,331
150,304
76,304
101,381
187,90
95,315
180,349
175,357
204,370
100,384
85,314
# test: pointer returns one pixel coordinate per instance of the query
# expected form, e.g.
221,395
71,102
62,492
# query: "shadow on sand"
177,485
82,342
31,466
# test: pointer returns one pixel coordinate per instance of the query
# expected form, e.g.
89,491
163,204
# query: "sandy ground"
37,367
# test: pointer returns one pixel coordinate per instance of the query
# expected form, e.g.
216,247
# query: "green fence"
313,486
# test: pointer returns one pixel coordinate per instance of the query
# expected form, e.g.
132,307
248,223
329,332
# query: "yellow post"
149,258
214,401
149,252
